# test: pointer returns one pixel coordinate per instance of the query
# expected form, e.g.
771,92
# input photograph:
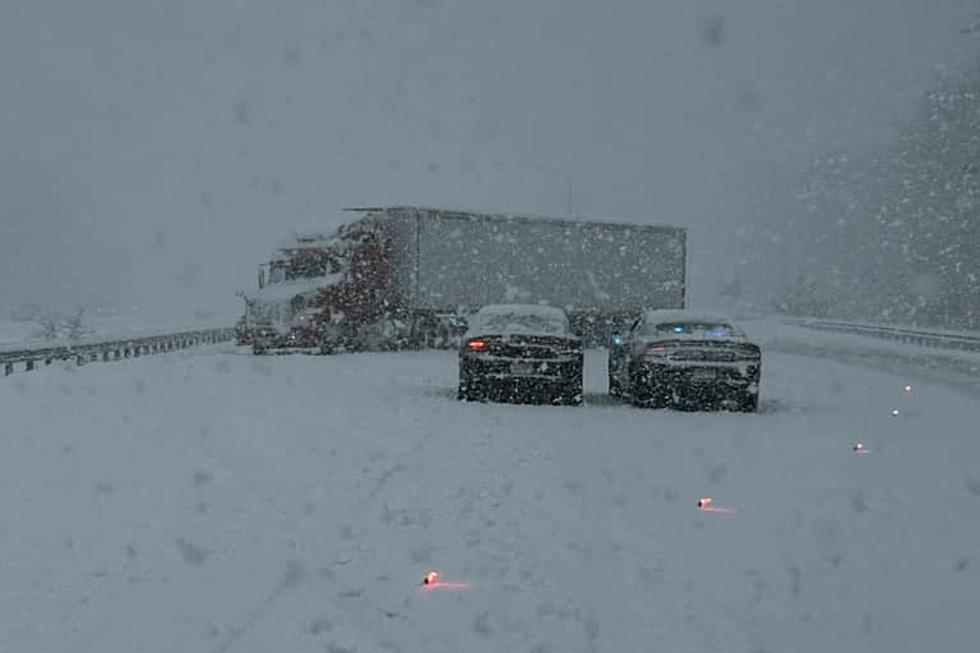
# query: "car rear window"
523,323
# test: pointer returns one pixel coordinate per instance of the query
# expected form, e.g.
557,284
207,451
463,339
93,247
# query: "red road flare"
718,509
444,585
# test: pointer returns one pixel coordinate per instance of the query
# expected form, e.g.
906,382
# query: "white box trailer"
404,275
450,261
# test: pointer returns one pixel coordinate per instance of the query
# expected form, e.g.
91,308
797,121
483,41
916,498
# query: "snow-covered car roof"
524,319
652,319
675,315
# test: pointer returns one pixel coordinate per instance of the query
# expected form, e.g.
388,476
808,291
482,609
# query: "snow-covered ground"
213,501
956,369
97,328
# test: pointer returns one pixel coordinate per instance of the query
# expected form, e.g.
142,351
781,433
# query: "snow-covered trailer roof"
455,213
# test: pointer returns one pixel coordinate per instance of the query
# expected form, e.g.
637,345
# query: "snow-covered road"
214,501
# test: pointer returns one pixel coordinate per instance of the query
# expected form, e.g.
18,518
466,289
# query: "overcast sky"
153,152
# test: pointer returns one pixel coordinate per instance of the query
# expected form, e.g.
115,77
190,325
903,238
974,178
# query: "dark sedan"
686,359
520,353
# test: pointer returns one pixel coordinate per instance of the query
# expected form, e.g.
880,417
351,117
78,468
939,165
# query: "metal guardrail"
913,336
109,350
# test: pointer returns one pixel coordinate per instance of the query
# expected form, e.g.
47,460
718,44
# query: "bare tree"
50,325
75,326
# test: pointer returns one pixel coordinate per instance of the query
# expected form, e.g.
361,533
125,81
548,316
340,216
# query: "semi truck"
406,277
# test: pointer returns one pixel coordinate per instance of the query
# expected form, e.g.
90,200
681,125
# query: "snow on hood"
285,291
309,236
273,305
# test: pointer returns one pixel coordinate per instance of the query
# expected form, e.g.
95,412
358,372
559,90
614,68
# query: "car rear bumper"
521,371
547,380
726,377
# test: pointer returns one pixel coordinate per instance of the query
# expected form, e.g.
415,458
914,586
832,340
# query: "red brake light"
476,345
658,349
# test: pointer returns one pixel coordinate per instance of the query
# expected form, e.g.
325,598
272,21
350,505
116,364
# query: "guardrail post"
79,360
29,366
8,369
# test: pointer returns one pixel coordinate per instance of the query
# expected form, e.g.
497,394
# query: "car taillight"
476,345
749,354
657,350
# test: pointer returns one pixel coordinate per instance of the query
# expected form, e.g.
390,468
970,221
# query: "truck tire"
642,395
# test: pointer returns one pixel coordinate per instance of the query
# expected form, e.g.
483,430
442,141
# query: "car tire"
639,394
469,391
615,389
642,395
571,393
748,402
258,350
